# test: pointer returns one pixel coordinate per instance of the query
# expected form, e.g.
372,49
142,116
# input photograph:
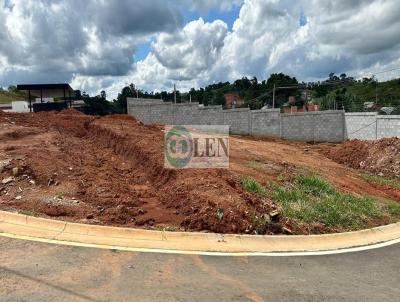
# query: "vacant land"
7,97
110,171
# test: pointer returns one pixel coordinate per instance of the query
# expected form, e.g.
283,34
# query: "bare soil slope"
110,171
380,156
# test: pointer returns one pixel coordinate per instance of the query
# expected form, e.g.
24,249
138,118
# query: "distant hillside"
362,96
386,91
8,97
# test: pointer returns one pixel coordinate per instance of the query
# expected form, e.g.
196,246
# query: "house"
233,100
292,100
370,105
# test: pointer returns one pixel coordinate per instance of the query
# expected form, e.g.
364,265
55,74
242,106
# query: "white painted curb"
20,226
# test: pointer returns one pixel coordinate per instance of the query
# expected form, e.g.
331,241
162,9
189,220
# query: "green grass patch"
386,181
311,199
254,164
308,198
252,186
7,97
393,208
28,213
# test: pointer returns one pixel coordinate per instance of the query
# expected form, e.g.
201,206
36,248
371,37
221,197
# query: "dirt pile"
110,170
380,157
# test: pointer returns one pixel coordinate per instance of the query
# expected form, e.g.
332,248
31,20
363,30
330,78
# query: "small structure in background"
43,92
388,110
5,107
313,107
293,104
44,100
306,95
369,105
15,106
78,105
310,107
233,100
19,106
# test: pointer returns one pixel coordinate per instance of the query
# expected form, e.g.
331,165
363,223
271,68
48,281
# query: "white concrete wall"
370,125
20,106
326,126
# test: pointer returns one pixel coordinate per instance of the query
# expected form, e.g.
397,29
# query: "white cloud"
193,50
84,37
306,39
206,5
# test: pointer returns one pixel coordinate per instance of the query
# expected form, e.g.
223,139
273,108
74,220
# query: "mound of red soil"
379,157
71,111
110,170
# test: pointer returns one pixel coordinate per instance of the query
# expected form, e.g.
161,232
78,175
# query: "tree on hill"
12,88
121,101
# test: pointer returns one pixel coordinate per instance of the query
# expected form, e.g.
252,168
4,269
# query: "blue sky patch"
302,19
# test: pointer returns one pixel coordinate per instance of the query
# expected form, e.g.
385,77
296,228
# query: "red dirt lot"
110,171
380,156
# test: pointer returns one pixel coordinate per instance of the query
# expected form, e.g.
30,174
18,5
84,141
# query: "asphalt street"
31,271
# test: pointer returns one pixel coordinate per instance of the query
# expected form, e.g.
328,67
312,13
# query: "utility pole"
133,90
174,94
190,98
273,98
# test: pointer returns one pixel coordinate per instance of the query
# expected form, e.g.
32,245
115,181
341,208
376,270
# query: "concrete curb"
55,231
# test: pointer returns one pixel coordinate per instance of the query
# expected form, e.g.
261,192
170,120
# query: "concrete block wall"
265,123
324,126
313,126
238,120
388,126
161,113
210,115
361,125
298,126
329,126
185,114
370,125
140,112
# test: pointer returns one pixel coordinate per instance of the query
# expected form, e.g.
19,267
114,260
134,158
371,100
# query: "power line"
323,83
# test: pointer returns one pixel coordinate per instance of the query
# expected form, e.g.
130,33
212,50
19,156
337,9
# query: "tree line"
336,92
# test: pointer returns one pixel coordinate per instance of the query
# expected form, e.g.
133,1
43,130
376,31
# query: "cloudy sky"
106,44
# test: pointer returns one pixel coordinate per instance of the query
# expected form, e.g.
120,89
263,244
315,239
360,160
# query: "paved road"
32,271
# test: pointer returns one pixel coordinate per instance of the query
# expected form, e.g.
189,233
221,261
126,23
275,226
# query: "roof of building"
62,86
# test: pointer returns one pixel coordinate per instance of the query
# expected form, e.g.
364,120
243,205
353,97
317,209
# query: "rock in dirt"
7,180
274,215
15,171
4,164
19,197
287,231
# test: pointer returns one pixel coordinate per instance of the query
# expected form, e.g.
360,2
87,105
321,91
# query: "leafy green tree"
219,98
121,101
12,88
97,105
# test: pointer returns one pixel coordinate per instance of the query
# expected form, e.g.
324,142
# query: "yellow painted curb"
55,231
